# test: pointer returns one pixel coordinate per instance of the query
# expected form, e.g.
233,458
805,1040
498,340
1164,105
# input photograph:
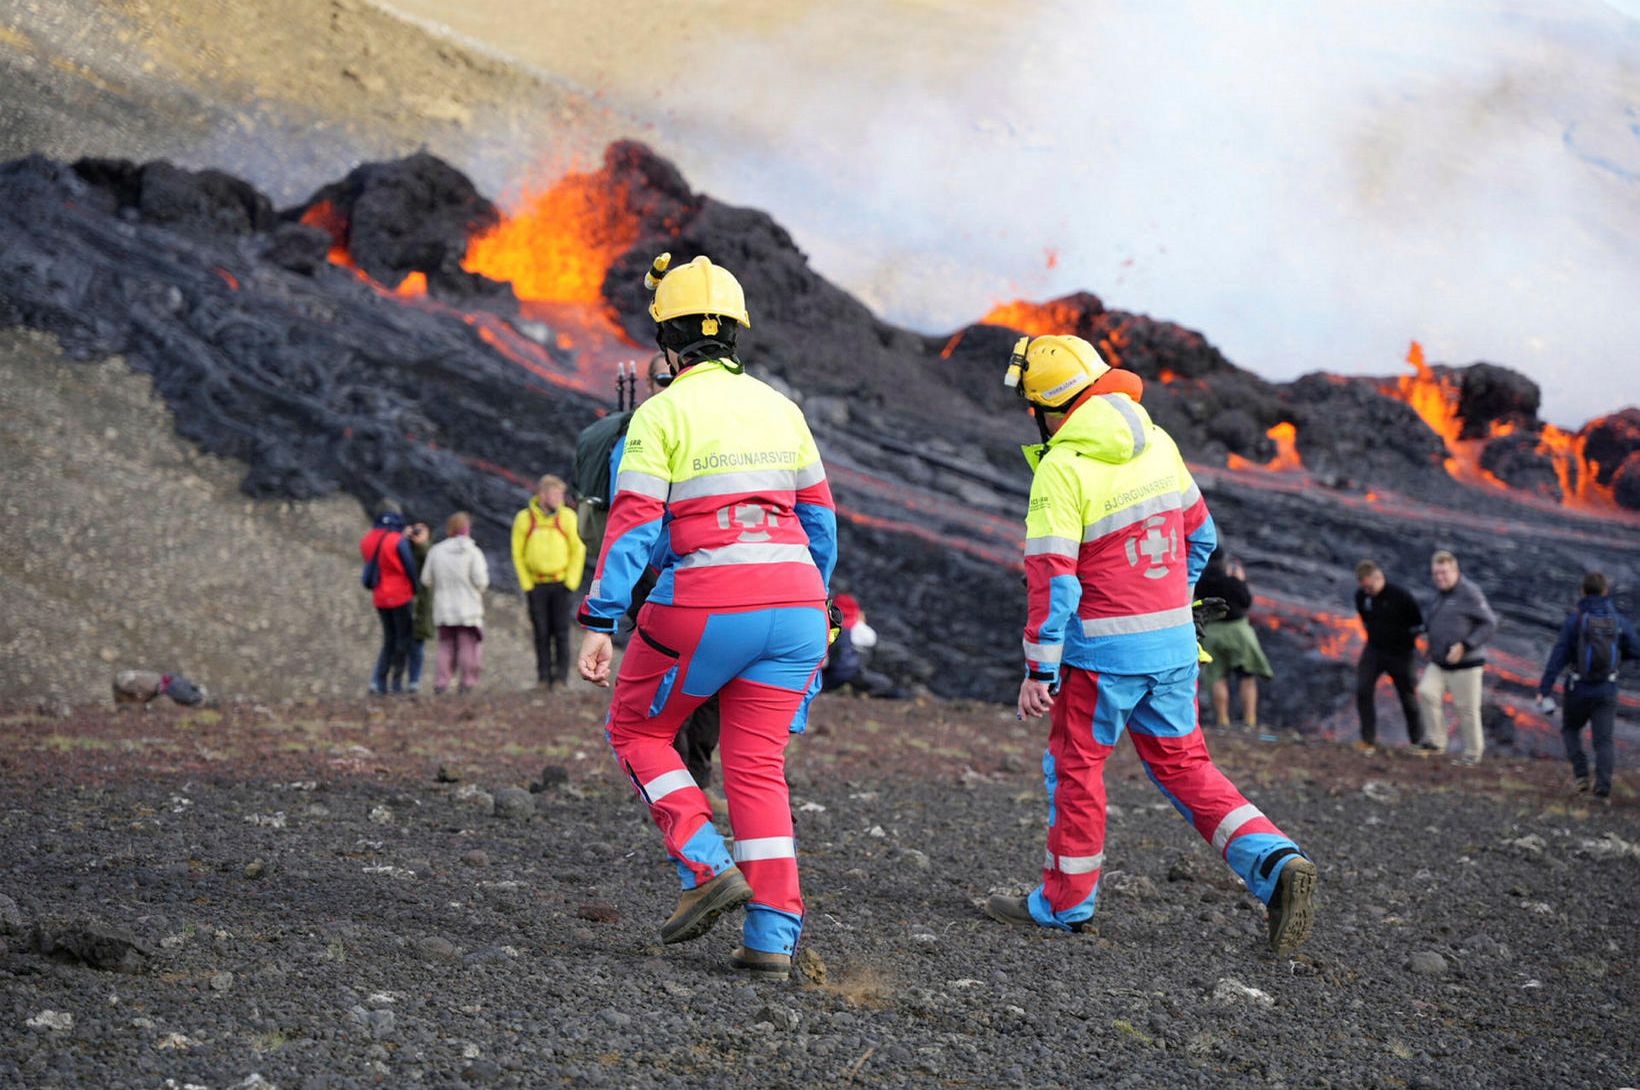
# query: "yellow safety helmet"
699,287
1050,372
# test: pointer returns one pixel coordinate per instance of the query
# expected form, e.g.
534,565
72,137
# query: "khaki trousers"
1465,687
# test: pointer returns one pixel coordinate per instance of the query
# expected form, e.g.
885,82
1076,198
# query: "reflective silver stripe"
1051,546
725,484
811,475
1121,404
1080,864
1143,622
1128,516
1192,496
765,847
596,590
756,553
666,783
1044,652
644,484
1234,820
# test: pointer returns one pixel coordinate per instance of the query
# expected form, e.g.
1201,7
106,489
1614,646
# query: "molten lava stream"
1285,435
555,248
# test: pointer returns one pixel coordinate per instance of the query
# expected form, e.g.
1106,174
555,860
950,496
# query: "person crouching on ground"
1459,624
458,574
1392,621
1116,535
1231,641
549,556
722,471
1593,642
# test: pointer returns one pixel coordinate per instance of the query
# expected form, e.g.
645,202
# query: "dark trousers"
549,617
398,624
1373,665
697,739
1598,712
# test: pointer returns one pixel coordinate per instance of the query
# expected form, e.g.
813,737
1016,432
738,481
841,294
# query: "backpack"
1595,658
372,574
590,477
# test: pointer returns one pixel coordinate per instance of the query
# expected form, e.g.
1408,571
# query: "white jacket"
458,573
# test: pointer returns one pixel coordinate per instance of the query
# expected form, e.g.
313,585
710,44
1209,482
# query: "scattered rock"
11,917
478,857
915,859
446,774
1427,963
481,1071
780,1017
381,815
514,804
598,912
436,948
221,982
1229,992
1125,884
1610,846
472,795
811,966
253,1081
378,1023
552,776
1530,844
175,1042
98,946
1380,791
59,1021
255,869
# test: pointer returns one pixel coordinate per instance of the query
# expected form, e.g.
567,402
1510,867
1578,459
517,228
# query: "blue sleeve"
626,556
1560,657
407,558
615,453
1630,641
820,523
1202,543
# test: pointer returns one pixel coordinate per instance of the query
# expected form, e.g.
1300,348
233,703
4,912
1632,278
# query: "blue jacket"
1628,647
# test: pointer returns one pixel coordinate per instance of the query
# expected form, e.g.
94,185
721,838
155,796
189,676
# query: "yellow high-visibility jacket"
547,548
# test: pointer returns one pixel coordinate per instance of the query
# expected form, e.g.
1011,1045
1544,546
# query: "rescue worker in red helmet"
1116,534
721,487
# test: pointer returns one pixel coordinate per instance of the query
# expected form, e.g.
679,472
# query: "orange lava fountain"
1285,435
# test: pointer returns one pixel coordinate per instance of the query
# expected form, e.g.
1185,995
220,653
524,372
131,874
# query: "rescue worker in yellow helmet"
1116,534
721,489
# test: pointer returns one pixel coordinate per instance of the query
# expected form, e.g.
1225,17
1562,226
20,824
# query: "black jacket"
1392,619
1217,583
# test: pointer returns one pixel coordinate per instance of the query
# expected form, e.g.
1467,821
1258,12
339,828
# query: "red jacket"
397,585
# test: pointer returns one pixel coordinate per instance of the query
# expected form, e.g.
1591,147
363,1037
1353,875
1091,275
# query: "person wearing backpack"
549,557
1593,642
390,576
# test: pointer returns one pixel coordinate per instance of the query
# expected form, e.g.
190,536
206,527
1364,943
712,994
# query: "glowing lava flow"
1286,460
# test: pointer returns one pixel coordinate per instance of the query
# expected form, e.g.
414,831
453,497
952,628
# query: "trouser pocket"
663,688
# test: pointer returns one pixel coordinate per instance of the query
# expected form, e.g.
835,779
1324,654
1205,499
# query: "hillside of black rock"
316,375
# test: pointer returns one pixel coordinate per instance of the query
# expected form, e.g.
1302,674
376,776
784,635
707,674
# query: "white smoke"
1310,185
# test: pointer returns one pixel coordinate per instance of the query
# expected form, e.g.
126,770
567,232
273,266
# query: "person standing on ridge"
422,627
390,576
1459,624
1593,642
1116,535
549,557
1392,621
719,470
458,575
1231,642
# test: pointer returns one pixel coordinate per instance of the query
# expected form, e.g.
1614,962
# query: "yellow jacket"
547,548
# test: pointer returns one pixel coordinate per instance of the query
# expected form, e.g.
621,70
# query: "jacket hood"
1594,603
390,520
1110,427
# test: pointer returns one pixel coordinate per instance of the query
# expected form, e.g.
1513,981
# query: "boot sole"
1000,917
1294,911
727,899
763,972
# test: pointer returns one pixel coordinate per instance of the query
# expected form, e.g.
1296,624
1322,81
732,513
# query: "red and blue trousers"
760,662
1089,715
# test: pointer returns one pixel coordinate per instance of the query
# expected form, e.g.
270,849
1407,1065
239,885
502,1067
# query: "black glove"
1204,611
834,622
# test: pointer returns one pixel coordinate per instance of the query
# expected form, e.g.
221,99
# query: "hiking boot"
1580,785
699,908
1365,747
1427,749
1464,760
1017,911
1421,750
761,964
1291,911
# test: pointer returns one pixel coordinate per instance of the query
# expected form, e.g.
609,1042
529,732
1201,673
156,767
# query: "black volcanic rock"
411,215
1488,393
1613,442
1516,461
204,203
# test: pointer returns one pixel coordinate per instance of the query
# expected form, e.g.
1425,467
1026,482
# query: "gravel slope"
322,911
